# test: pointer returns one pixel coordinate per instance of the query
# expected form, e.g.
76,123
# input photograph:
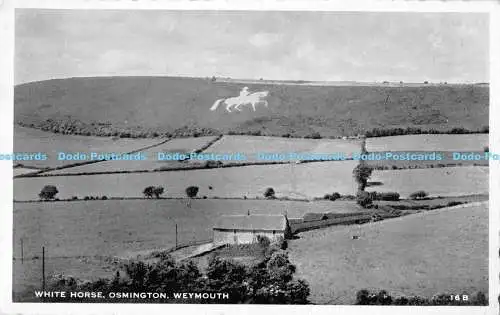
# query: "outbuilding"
244,229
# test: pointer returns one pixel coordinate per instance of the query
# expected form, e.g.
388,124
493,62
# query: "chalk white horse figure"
250,99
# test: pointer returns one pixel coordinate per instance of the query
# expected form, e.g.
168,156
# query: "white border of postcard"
6,145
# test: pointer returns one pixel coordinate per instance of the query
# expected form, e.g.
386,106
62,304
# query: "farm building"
244,229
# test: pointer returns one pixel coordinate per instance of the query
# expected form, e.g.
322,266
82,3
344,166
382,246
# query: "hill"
429,253
156,105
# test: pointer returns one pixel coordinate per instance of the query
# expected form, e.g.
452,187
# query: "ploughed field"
293,109
29,140
441,251
445,181
291,180
74,233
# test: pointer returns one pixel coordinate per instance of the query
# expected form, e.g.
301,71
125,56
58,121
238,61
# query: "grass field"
178,145
73,231
459,143
297,181
33,140
441,251
447,160
22,170
299,110
250,146
446,181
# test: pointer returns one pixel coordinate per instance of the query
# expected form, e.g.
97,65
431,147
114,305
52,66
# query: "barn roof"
252,222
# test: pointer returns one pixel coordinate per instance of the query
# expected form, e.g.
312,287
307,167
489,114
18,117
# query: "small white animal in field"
245,98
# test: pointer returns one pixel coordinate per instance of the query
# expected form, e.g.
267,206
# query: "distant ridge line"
278,82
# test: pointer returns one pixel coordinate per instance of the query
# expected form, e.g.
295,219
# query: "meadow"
445,181
176,145
23,170
75,234
291,180
442,251
33,140
298,110
429,142
251,146
447,160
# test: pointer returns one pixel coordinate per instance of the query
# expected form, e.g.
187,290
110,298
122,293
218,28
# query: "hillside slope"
164,104
441,251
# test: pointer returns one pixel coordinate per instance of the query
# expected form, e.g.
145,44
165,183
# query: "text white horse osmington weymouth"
250,99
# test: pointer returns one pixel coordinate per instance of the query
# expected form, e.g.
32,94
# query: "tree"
270,193
158,191
268,282
148,191
192,191
48,192
418,195
361,174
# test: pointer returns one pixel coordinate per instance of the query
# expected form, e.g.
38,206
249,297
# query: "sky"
316,46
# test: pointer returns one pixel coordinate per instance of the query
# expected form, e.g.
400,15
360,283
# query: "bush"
453,203
332,197
148,191
387,196
365,297
104,198
205,197
336,196
418,195
48,192
263,241
74,198
479,298
364,199
192,191
213,164
158,191
314,135
86,198
271,281
270,193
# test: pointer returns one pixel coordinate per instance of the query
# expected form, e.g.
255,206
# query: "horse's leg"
253,105
228,106
265,103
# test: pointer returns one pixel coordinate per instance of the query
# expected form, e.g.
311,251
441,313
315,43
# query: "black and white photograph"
251,157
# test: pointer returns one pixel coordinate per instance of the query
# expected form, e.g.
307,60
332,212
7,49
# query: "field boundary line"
208,145
43,173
